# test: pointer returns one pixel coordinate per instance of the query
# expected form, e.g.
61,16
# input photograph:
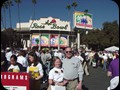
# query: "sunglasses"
68,51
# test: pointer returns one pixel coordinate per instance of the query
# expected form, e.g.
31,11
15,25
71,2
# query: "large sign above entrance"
82,20
49,24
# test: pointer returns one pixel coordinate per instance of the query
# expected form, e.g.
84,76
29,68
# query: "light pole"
78,39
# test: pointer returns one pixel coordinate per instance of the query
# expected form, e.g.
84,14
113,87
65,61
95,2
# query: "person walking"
96,58
48,60
113,69
73,71
105,58
113,72
85,63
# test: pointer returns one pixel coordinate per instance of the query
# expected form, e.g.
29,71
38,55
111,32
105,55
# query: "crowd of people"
64,68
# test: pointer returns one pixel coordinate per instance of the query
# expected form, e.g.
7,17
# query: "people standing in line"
35,70
14,66
56,74
85,63
22,59
73,71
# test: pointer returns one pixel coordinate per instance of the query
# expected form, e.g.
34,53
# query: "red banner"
15,81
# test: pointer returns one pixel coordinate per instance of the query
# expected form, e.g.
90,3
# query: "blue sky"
102,11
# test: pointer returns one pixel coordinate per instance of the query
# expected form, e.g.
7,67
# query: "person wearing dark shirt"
85,63
4,62
14,66
96,57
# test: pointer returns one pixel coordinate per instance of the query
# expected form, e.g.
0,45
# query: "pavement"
97,80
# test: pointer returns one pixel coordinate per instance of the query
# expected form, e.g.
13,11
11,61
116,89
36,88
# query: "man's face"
68,52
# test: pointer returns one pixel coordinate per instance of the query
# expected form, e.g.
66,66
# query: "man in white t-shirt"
8,53
22,59
105,58
76,54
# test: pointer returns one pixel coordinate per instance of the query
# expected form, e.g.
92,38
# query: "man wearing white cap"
8,53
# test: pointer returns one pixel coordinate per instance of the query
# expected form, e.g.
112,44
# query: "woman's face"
12,61
57,63
31,58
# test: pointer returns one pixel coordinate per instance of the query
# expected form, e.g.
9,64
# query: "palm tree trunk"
10,15
2,21
19,16
34,12
4,17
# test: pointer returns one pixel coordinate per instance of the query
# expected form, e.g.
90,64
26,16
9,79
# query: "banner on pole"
82,20
54,40
63,41
44,40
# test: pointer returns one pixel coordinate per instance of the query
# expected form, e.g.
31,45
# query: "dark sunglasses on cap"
68,51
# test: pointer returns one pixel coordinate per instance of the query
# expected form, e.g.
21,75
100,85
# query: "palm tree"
9,3
34,2
2,21
18,3
4,10
68,7
74,5
86,10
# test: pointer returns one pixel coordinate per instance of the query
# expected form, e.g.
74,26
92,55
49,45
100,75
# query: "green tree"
100,39
9,37
111,31
68,8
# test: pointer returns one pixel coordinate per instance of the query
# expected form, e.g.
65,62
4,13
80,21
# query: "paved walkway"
97,80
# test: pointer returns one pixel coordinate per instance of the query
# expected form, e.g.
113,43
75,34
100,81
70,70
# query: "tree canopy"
100,39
